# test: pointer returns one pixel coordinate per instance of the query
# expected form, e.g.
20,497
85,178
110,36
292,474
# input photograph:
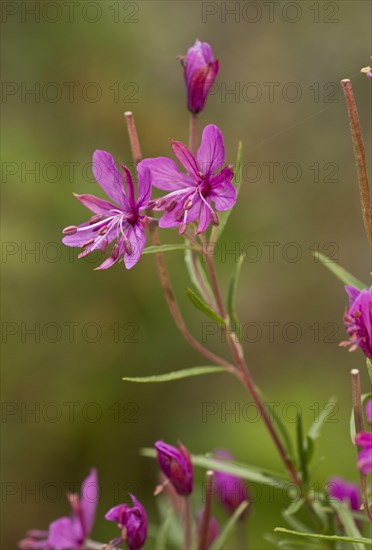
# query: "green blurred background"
122,326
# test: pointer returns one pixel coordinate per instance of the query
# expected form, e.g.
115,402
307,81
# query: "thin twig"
359,427
360,157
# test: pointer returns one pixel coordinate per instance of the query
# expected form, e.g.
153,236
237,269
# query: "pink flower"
192,194
339,489
358,320
132,521
69,533
121,221
201,70
364,440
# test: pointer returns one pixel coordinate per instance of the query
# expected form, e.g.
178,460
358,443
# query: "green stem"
193,133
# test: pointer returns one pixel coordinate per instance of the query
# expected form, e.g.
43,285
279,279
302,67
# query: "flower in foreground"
176,465
200,70
358,320
364,440
119,220
69,533
340,489
230,489
132,521
191,194
213,528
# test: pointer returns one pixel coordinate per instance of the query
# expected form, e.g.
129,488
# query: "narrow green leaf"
347,520
165,248
237,180
278,423
316,426
369,369
341,273
231,298
301,450
251,473
361,540
294,507
162,535
176,375
229,527
205,308
193,265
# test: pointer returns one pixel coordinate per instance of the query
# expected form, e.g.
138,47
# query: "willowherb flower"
364,440
132,521
191,194
230,489
200,70
176,465
369,411
69,532
213,528
358,320
340,489
120,220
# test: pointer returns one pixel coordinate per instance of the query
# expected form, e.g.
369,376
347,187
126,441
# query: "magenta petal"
199,55
200,85
96,205
211,153
65,534
137,238
108,176
165,174
110,261
369,411
186,158
225,197
364,439
84,233
144,185
89,500
116,513
204,218
365,461
352,292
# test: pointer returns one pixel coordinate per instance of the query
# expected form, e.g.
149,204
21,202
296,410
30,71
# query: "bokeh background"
89,64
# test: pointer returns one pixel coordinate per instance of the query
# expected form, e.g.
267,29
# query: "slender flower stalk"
244,374
193,133
360,157
133,136
187,523
359,428
207,512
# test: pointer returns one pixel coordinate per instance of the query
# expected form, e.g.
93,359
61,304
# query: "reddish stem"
133,137
360,157
207,512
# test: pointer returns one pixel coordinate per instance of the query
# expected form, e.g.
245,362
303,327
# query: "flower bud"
230,488
200,73
132,522
176,465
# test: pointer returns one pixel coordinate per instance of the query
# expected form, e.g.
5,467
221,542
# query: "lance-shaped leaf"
302,450
165,248
251,473
332,538
347,520
237,180
231,298
205,308
341,273
197,275
176,375
229,527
